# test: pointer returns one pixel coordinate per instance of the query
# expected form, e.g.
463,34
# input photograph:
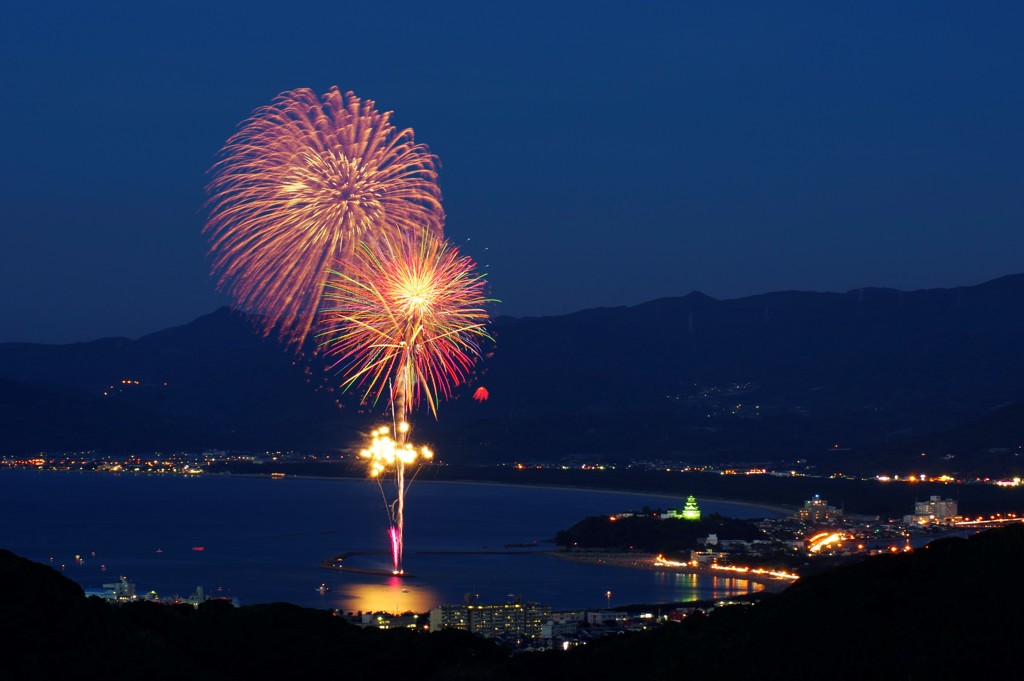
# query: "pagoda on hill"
691,511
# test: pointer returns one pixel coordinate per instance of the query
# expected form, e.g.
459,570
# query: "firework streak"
406,323
385,454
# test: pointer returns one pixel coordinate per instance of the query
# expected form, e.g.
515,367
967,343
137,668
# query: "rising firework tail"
403,321
386,455
298,187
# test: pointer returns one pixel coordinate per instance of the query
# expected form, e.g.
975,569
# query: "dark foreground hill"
49,630
947,611
849,378
944,612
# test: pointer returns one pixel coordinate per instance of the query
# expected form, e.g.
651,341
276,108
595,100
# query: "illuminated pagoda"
691,511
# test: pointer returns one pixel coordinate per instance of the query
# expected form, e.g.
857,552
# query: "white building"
935,510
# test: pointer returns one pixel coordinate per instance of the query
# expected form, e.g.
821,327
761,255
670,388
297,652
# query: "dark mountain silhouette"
49,630
212,383
822,376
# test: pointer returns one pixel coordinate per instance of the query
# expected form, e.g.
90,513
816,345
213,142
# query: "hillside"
943,612
840,379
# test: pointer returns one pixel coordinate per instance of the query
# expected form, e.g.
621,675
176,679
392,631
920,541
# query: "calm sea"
261,539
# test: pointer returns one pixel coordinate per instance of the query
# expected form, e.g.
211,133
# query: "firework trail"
302,182
307,184
386,454
406,321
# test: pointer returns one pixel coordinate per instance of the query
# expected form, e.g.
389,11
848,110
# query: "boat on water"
323,588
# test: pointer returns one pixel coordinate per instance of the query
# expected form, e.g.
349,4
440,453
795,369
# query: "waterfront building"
569,616
492,620
605,618
817,510
449,616
709,557
935,510
121,591
384,620
551,629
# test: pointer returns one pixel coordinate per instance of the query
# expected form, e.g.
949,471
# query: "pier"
337,563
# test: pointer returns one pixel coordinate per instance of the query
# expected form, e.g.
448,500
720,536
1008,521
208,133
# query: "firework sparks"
412,314
301,183
386,454
408,320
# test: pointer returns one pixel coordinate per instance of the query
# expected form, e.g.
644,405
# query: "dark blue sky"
592,157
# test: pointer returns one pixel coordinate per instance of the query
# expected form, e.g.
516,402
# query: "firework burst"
300,184
407,319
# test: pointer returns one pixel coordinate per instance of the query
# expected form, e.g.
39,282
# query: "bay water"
260,540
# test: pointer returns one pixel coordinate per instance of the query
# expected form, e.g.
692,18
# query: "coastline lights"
822,540
778,574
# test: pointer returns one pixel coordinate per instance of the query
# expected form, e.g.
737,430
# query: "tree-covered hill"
650,533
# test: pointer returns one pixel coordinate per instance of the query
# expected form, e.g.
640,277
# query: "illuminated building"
691,511
551,629
383,620
492,621
120,591
605,618
817,510
935,510
709,557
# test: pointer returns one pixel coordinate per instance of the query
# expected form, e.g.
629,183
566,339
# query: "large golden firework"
384,452
300,184
410,315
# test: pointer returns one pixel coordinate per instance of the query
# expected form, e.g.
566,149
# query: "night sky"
591,155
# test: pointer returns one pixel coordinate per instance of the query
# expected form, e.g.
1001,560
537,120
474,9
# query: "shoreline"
771,508
645,561
604,490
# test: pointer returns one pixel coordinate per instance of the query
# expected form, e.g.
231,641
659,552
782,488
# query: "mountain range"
864,379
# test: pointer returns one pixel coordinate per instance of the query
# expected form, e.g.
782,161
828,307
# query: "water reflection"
354,593
723,587
257,553
689,586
